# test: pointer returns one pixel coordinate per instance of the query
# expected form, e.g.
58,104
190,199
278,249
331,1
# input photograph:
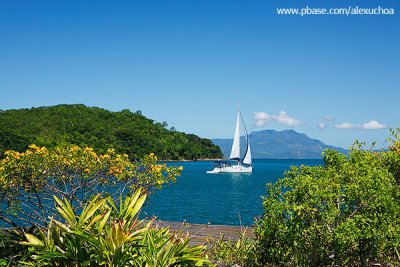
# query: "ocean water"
229,199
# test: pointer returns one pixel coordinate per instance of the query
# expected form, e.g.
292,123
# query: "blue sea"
229,199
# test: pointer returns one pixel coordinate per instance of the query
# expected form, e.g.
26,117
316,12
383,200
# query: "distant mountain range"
270,144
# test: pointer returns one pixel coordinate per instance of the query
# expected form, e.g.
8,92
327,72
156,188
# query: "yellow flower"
33,146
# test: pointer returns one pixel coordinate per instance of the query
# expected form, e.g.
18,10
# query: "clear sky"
190,63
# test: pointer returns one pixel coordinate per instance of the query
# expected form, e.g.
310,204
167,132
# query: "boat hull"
232,169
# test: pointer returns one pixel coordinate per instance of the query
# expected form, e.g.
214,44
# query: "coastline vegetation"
69,206
104,235
127,132
29,180
343,213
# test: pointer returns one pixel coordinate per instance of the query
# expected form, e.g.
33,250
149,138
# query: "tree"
29,180
346,212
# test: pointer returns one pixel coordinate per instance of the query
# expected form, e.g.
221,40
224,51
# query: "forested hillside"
125,131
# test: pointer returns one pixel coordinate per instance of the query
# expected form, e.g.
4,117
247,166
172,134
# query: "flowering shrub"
28,180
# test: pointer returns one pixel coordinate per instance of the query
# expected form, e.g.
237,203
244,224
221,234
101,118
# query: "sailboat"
235,163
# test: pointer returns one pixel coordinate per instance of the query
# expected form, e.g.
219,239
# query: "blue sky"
190,63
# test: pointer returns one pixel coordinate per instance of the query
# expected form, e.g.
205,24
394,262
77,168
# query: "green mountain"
270,144
125,131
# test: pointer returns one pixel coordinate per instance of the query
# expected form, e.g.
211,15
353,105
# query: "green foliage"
229,252
28,180
105,235
346,212
391,157
159,247
11,250
127,132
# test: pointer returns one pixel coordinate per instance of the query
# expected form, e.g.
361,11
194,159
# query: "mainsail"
235,152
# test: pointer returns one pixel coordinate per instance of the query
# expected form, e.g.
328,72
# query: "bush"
346,212
229,252
106,235
159,247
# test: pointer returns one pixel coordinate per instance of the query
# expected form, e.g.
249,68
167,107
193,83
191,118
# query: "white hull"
232,169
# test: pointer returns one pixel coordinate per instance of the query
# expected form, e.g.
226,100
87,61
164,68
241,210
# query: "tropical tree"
29,180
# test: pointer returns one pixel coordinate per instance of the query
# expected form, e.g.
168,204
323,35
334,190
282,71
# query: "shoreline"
201,234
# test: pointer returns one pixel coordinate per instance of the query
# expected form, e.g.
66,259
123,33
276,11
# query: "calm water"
234,199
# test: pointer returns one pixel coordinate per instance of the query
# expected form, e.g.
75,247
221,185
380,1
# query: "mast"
235,151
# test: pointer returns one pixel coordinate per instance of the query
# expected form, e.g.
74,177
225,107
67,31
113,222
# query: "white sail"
235,152
247,156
